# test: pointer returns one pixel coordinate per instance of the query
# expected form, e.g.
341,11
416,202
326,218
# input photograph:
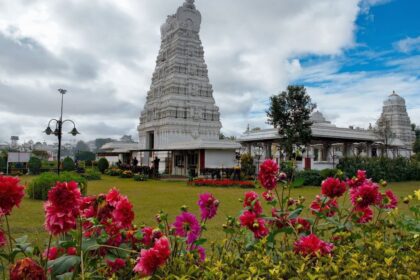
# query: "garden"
351,227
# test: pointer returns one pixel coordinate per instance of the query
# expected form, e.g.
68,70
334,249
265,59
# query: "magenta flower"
311,245
252,202
333,187
208,206
389,200
365,195
187,225
364,215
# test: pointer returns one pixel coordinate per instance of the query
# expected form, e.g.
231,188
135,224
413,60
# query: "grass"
150,197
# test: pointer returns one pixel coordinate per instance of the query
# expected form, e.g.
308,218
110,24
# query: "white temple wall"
220,159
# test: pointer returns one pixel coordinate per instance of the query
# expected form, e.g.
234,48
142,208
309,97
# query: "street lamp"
258,150
58,128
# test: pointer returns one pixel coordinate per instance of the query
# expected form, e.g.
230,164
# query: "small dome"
394,99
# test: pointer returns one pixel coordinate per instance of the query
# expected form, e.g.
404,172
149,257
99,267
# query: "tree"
34,165
247,165
40,154
384,132
85,155
290,113
99,142
103,165
82,147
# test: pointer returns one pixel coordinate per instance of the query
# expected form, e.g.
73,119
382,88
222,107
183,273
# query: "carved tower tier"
180,107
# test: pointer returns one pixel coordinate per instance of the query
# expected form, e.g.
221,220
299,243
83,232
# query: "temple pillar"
325,149
267,150
368,150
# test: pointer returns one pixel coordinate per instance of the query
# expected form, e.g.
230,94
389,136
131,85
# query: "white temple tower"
180,111
395,113
180,106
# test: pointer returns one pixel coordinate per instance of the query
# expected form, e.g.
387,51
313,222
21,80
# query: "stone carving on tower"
394,114
180,106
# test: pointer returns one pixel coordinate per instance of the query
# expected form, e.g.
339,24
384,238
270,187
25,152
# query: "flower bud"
184,208
224,226
158,218
282,176
383,183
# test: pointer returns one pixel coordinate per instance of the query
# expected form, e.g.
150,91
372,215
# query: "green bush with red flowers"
93,237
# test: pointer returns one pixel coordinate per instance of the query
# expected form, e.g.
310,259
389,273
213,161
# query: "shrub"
247,165
391,170
126,174
68,164
310,177
38,188
103,165
140,177
223,183
34,165
91,175
3,164
113,171
325,173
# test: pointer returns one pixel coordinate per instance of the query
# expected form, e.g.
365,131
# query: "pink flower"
251,201
123,214
11,194
147,239
25,269
358,180
113,197
3,240
208,206
364,215
252,222
389,200
333,187
200,251
150,260
267,175
268,196
311,245
324,206
365,195
281,220
116,264
187,225
71,251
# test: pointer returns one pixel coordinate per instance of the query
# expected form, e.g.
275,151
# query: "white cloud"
408,44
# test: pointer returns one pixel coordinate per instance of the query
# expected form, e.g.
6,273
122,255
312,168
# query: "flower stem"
48,254
10,239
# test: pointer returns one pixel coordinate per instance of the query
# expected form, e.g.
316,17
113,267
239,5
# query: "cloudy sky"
350,54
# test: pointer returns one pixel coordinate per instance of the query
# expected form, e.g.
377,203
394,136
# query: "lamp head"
74,132
48,131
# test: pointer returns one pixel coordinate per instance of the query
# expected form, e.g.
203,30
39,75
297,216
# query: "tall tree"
82,147
383,131
290,113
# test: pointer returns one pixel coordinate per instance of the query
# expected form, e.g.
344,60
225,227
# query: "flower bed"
94,237
223,183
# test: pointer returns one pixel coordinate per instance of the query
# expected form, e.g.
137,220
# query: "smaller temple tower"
394,113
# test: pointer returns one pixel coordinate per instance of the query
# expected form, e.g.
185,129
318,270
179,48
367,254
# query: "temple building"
180,123
392,136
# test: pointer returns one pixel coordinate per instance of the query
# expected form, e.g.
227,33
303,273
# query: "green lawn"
150,197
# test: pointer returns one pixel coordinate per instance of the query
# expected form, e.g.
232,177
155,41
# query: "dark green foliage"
392,170
287,167
68,164
91,175
290,113
247,165
325,173
140,177
34,165
3,164
103,165
310,177
39,186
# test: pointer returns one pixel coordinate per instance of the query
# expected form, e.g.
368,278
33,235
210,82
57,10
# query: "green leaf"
200,241
295,213
65,276
90,244
297,183
63,264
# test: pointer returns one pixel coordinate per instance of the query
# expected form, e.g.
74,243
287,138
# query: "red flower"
311,245
389,200
365,195
208,206
268,173
113,197
150,260
364,215
324,206
71,251
26,269
358,180
333,187
115,265
123,214
252,222
281,220
147,239
52,254
301,225
251,201
11,194
3,240
62,208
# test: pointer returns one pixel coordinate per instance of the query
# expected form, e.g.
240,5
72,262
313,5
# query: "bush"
325,173
91,175
126,174
34,165
103,165
140,177
68,164
391,170
247,165
310,177
3,164
38,188
113,172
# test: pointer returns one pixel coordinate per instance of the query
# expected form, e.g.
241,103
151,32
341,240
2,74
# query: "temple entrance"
186,162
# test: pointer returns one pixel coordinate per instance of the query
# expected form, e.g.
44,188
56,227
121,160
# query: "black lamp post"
58,129
258,153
